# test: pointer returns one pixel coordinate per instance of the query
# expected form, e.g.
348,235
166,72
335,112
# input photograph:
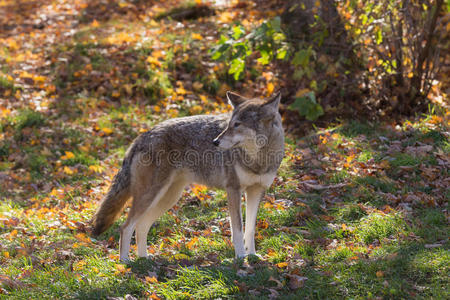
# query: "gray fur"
181,151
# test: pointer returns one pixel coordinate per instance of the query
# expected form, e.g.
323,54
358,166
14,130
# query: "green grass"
28,118
357,252
385,185
378,226
6,83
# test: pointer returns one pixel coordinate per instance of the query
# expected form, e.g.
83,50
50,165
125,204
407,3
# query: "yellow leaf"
84,148
68,170
173,113
40,79
196,36
154,296
82,237
282,265
192,242
107,130
268,205
121,268
54,192
96,168
67,155
270,88
154,61
12,44
152,279
158,54
5,111
301,92
79,265
196,109
95,23
350,157
115,94
181,91
180,256
13,233
225,17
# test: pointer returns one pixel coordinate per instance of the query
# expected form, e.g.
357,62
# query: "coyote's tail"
114,201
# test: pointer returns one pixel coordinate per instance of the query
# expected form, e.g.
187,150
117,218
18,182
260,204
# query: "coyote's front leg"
253,196
234,208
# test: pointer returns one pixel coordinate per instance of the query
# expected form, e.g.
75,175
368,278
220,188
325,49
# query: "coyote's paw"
125,260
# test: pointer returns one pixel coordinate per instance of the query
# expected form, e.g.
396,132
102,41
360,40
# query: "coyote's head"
252,122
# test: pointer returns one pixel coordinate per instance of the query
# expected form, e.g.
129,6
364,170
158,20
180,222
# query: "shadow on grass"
403,271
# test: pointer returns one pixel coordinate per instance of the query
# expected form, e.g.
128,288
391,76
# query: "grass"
378,226
349,241
28,118
353,209
352,248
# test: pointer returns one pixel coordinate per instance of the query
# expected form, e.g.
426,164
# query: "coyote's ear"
273,102
235,99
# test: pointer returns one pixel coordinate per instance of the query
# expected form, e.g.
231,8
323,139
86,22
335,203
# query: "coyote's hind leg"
152,213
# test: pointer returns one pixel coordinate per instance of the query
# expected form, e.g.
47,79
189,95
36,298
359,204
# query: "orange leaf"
268,205
107,130
196,36
270,88
192,242
154,297
120,268
282,265
154,61
67,155
68,170
152,279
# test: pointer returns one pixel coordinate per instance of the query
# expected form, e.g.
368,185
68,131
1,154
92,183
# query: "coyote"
239,152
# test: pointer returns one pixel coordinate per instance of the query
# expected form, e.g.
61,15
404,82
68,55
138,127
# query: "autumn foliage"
357,210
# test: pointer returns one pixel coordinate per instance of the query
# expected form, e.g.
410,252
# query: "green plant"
268,40
307,106
397,41
29,118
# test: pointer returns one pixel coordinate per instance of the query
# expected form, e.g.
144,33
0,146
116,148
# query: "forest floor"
358,210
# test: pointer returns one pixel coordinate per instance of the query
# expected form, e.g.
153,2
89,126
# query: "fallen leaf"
296,282
282,265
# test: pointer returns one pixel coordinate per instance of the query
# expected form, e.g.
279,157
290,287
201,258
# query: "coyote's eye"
237,124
